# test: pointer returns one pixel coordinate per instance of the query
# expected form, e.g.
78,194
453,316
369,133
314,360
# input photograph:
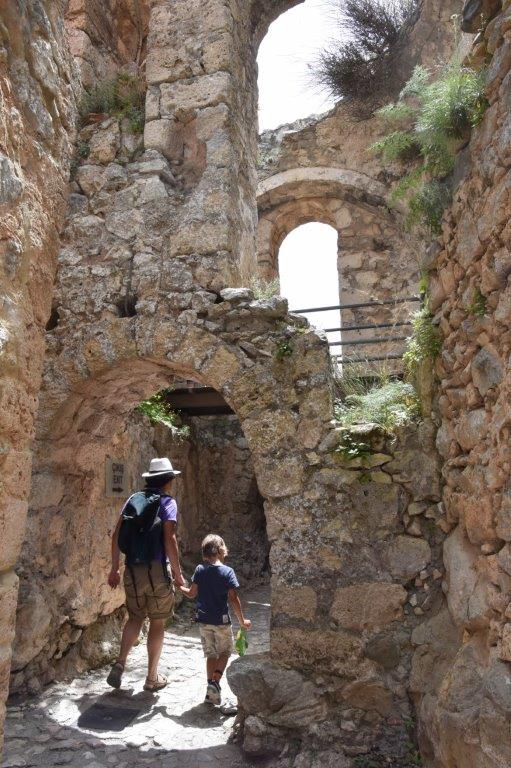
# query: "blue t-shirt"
214,583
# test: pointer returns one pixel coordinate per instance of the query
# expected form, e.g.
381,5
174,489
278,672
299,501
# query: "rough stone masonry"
154,232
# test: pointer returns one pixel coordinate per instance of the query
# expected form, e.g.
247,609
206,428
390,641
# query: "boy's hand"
246,623
114,579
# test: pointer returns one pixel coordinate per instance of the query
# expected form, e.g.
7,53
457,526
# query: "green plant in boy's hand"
241,644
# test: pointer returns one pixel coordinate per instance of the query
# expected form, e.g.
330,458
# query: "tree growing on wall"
359,65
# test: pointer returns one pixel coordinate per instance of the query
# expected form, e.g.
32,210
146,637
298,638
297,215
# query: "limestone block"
281,697
271,430
205,91
279,476
105,142
504,646
437,641
11,185
337,653
13,515
261,739
369,695
296,602
32,623
8,600
221,368
466,596
478,516
472,428
406,556
486,370
503,516
370,605
46,490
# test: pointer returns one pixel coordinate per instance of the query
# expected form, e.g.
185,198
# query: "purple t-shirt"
167,512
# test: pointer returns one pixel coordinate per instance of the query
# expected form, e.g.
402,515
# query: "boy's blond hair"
213,545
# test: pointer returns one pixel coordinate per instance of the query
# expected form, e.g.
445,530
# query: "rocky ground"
84,724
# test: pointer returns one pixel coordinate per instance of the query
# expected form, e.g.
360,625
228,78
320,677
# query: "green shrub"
157,409
424,344
388,405
433,113
284,349
426,206
478,305
122,97
264,289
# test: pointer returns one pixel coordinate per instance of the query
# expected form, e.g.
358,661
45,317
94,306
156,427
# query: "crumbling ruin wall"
377,562
36,120
465,704
156,229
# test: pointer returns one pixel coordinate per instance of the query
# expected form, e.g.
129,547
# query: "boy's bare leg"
154,646
130,635
216,667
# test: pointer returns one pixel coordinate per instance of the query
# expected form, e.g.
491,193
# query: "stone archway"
370,238
284,407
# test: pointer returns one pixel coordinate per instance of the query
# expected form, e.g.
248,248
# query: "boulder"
486,370
476,14
236,295
278,696
261,739
406,556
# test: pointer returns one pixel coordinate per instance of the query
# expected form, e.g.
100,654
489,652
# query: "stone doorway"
68,620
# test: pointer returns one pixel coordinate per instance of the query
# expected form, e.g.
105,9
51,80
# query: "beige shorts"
216,640
152,594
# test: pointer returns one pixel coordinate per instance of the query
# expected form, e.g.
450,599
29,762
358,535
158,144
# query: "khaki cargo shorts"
216,640
152,594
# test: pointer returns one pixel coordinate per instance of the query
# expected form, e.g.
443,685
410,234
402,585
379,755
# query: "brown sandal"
115,676
157,684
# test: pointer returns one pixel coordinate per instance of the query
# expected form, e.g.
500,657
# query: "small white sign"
116,478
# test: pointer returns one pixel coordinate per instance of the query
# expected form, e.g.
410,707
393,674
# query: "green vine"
157,409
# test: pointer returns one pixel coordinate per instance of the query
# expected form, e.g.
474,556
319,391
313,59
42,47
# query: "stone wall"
104,35
465,705
36,120
378,574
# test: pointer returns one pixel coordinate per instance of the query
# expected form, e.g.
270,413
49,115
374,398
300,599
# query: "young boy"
214,585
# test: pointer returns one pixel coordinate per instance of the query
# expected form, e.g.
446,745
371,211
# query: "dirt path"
87,725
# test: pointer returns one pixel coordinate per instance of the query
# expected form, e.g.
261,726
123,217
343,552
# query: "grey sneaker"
213,693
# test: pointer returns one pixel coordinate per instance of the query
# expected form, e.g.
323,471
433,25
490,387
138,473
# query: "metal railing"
368,326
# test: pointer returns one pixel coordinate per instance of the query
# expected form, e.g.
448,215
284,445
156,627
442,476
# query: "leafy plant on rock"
123,97
157,409
352,447
284,350
432,117
389,404
478,305
425,342
264,289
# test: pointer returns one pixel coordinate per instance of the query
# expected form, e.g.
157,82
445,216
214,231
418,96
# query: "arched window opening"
286,92
309,276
